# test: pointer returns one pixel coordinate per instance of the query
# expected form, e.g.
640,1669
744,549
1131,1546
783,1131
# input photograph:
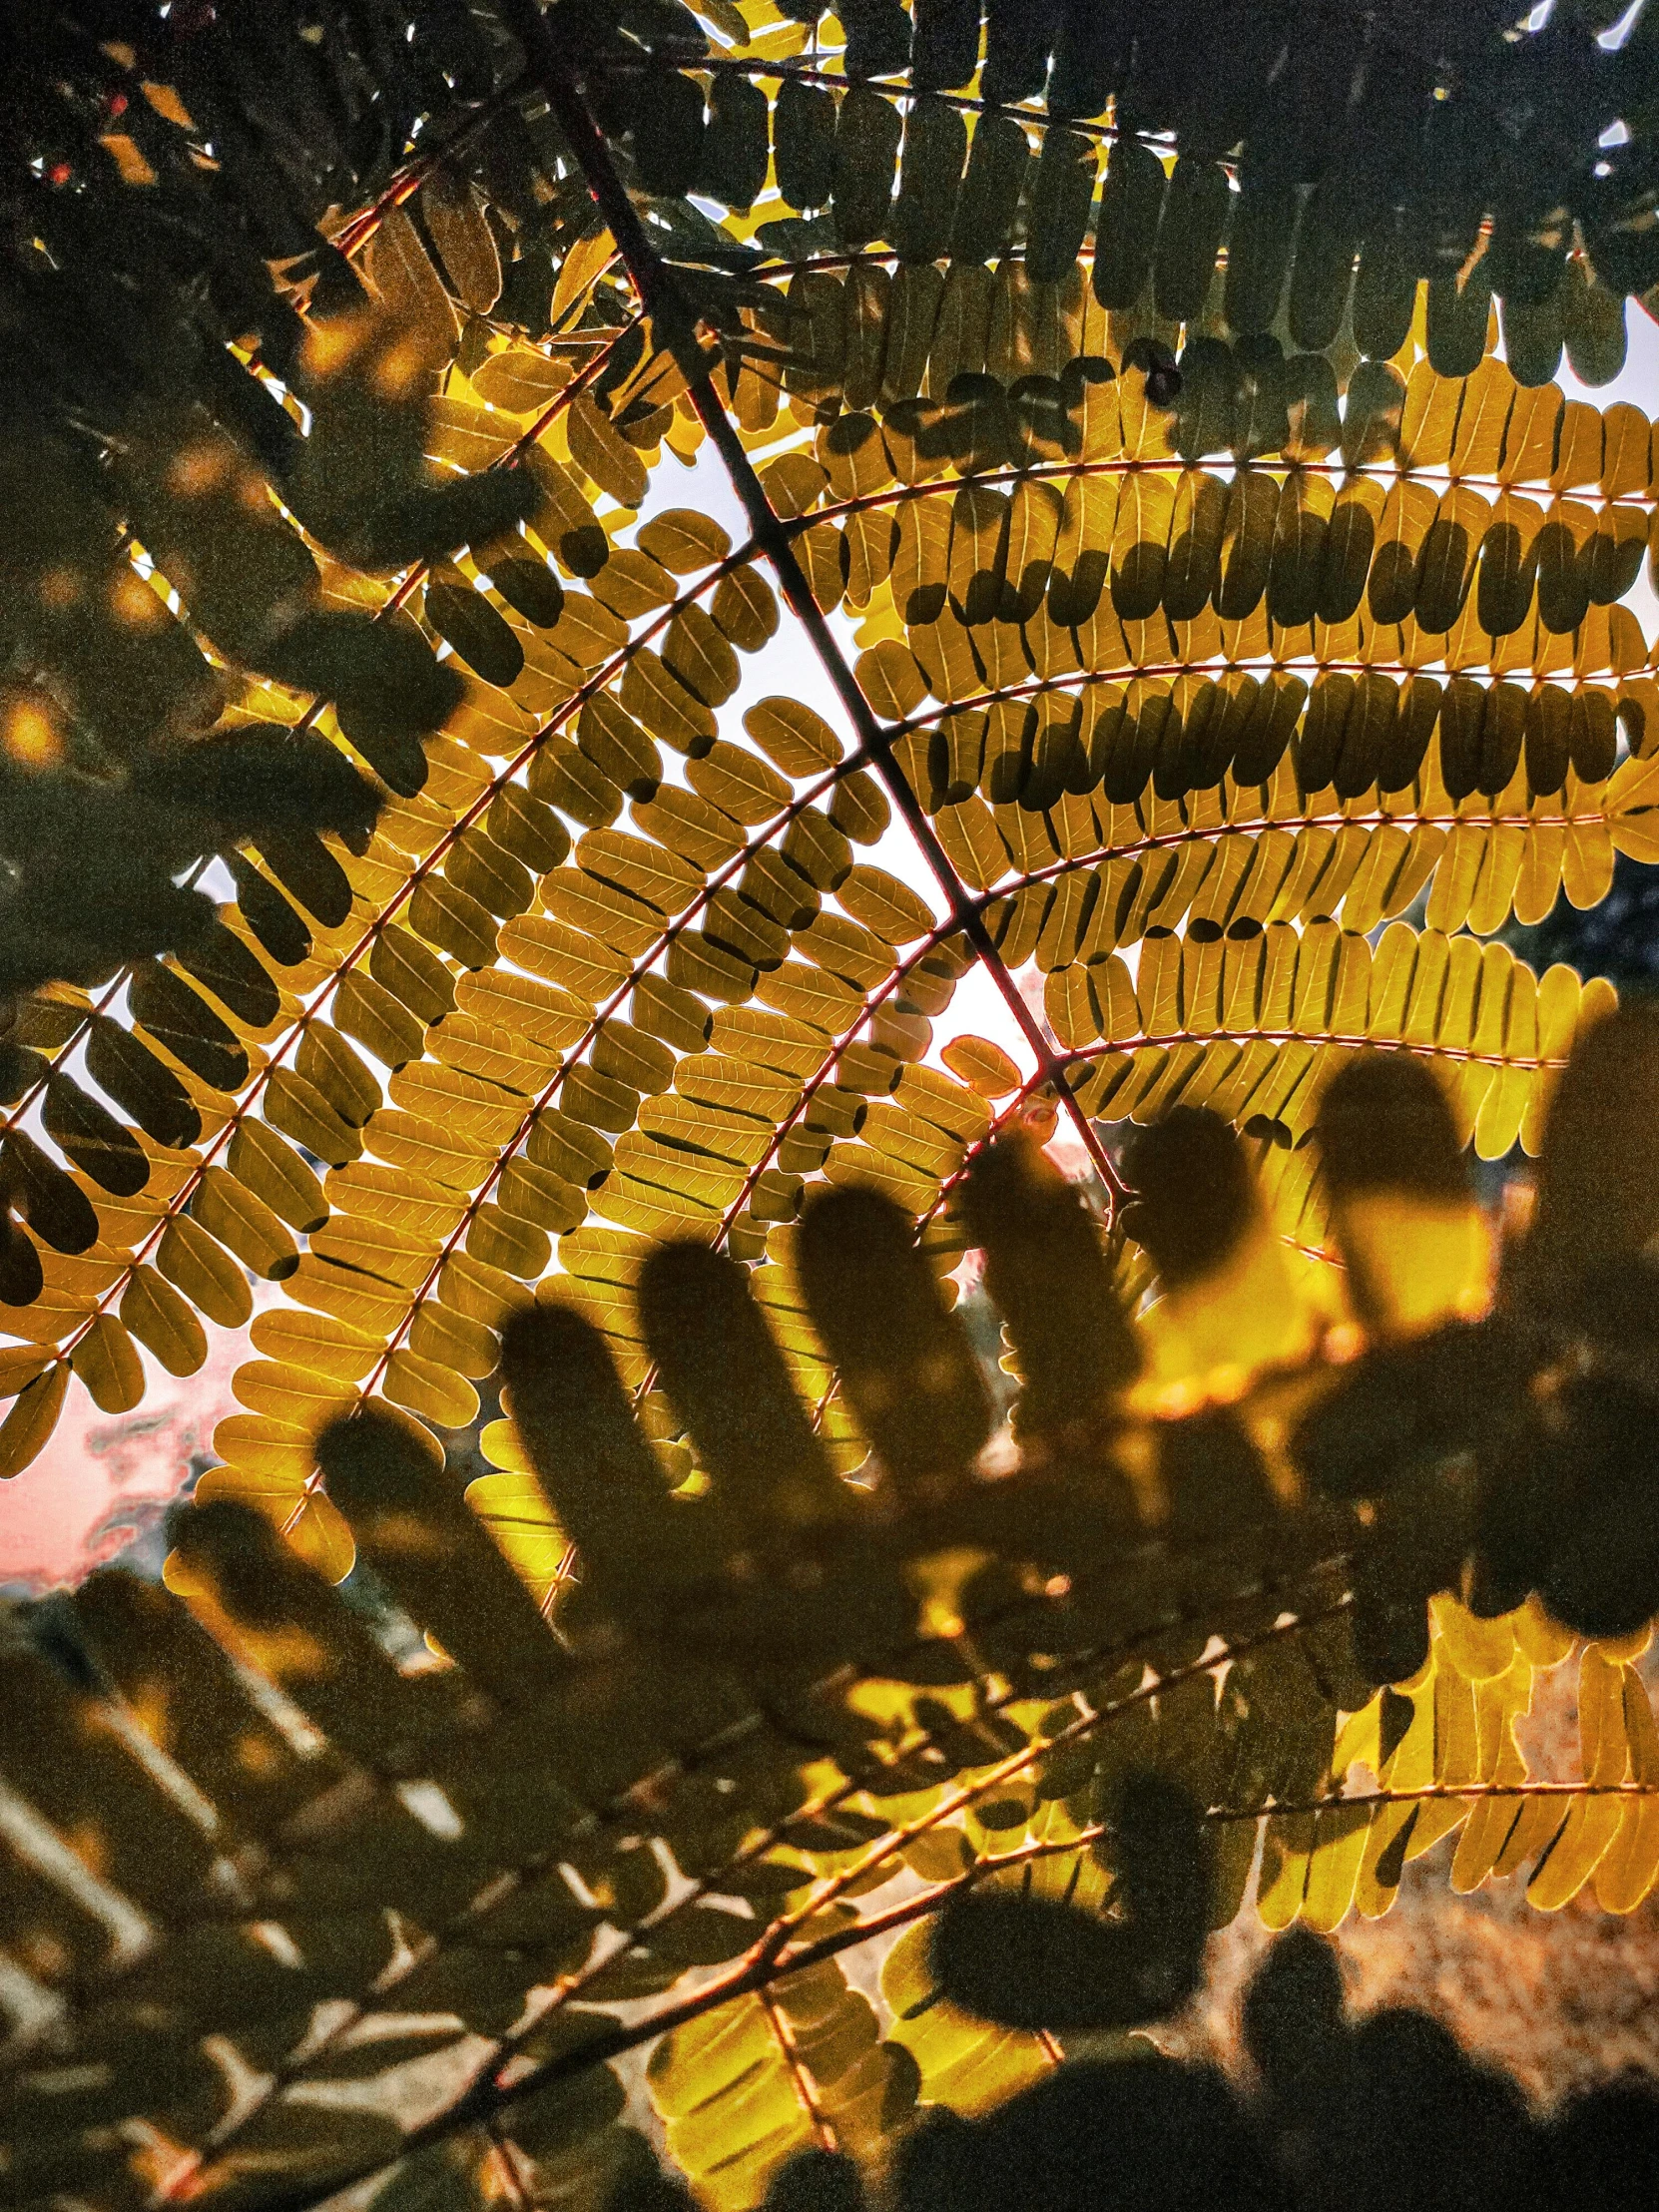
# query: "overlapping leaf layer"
1247,639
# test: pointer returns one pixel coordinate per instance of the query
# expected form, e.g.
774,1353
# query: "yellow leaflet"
1627,1870
458,1098
691,1175
514,1508
744,1138
714,1079
426,1388
494,1055
441,1149
277,1450
963,2062
1340,1837
1587,1832
315,1342
1411,1264
1284,1876
1244,1314
858,1164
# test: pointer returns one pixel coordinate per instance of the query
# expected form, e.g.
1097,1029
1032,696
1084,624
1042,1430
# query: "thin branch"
676,326
353,235
1266,664
1457,1791
1275,466
1462,1055
802,2081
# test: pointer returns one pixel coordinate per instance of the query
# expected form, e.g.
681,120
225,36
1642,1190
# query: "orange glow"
124,152
1520,1198
1414,1262
329,346
1177,1400
30,734
58,587
399,367
166,103
134,603
199,469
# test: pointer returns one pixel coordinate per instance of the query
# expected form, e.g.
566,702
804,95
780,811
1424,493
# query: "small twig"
677,330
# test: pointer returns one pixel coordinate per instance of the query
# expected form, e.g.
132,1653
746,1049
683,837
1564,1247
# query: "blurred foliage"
1056,1711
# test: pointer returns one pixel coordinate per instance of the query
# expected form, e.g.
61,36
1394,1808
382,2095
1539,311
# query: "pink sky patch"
104,1480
